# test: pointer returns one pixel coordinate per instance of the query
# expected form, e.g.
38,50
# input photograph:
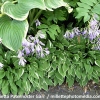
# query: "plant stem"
31,15
36,17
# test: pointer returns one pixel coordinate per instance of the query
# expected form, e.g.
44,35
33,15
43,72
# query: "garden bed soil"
62,92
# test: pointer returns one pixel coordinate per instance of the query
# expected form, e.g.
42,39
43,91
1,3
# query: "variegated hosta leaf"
15,11
53,4
12,32
20,10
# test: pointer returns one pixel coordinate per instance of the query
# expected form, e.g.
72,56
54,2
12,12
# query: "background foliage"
18,11
51,70
70,60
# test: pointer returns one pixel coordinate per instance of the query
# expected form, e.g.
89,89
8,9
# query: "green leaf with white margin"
58,76
76,56
27,85
19,72
12,32
45,86
97,62
20,10
53,4
61,71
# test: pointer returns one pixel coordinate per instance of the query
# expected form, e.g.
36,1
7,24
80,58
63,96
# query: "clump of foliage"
69,61
62,44
83,10
14,13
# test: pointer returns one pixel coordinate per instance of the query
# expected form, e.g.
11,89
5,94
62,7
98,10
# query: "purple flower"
42,54
22,61
41,43
38,48
76,30
37,22
47,51
91,37
27,50
40,34
36,41
25,43
97,32
31,38
93,23
67,33
96,45
32,47
65,36
20,54
92,34
84,32
1,65
71,35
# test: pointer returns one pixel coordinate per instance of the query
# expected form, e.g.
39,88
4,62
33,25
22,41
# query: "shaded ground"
91,92
64,93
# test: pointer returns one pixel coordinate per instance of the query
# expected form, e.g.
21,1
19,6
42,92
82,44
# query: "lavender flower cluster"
72,33
92,32
32,45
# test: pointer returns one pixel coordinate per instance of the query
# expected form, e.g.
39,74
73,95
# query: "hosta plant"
71,59
55,50
13,18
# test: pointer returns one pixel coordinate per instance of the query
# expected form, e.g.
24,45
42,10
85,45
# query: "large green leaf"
20,10
54,4
87,67
2,74
5,87
13,88
12,32
61,71
19,72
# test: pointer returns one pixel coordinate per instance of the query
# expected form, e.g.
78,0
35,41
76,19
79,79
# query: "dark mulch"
62,92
